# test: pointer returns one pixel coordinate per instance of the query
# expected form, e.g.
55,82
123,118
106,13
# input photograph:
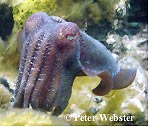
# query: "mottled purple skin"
54,53
49,63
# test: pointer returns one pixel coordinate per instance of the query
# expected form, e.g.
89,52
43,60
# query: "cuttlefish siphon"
53,53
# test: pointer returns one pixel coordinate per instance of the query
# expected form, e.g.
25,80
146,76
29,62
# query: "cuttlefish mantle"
53,53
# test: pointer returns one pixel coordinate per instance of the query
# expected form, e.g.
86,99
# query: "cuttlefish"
55,51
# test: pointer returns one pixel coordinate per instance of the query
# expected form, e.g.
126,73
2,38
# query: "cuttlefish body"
53,53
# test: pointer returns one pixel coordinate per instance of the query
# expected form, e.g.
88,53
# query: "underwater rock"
9,56
133,49
130,17
4,98
134,46
136,103
137,98
28,117
84,13
25,8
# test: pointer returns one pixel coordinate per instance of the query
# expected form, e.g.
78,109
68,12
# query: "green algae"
9,55
82,91
81,101
81,98
79,12
22,11
28,117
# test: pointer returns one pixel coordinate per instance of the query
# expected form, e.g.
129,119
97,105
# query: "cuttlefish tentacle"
49,82
29,64
23,62
24,41
36,67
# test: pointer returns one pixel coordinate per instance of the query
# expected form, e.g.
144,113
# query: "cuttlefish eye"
71,37
68,32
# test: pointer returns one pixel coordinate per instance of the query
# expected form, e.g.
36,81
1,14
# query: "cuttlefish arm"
96,60
49,63
26,44
70,71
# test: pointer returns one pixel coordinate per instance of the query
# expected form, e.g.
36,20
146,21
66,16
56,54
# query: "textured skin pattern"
46,57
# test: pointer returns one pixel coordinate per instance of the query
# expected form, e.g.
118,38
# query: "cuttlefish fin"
124,78
105,85
19,41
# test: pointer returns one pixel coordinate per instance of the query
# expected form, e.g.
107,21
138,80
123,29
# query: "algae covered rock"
4,98
80,12
9,55
23,10
28,117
